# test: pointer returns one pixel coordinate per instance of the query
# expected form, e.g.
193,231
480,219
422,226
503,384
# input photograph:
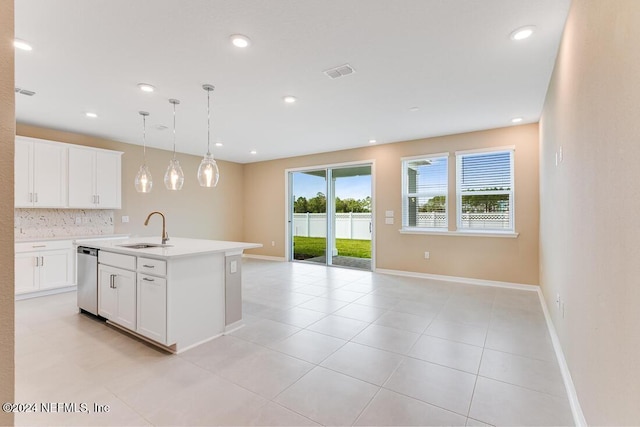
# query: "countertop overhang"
180,246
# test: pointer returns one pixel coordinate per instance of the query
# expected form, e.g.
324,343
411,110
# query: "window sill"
474,233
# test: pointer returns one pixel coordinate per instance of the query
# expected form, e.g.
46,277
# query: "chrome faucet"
165,236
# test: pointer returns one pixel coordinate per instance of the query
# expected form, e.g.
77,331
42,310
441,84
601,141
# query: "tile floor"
321,346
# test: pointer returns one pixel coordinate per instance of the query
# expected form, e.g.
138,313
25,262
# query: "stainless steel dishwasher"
87,263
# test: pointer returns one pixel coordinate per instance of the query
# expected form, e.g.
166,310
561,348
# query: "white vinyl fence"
348,225
358,225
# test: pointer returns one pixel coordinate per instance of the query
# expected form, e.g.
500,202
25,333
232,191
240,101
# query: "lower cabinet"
41,266
132,292
152,307
117,295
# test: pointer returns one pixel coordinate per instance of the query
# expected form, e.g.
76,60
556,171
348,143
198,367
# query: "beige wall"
194,211
489,258
590,233
7,130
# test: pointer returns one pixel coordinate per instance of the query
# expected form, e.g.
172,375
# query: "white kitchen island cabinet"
94,178
117,295
176,296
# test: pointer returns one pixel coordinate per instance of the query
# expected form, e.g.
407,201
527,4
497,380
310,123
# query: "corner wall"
488,258
194,211
7,132
590,206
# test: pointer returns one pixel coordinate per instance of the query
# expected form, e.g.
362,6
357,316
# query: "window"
485,190
424,192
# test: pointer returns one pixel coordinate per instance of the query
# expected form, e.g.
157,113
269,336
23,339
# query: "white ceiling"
453,59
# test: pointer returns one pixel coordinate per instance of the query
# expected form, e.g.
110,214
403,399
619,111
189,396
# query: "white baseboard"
572,395
46,292
265,257
465,280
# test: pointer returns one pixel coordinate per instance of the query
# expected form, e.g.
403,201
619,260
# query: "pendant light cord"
174,131
208,124
144,139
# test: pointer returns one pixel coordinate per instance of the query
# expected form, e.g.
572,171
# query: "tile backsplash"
47,223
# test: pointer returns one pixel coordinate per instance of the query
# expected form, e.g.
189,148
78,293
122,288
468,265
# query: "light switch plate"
125,219
388,214
388,221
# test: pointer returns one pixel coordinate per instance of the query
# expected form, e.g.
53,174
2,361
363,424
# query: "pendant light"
208,173
143,181
174,177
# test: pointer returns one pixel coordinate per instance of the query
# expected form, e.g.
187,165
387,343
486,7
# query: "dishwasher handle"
87,251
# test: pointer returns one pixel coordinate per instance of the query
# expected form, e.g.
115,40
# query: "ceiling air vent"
24,91
341,71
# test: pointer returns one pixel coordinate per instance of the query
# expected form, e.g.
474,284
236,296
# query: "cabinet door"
152,307
55,269
49,175
125,283
26,272
81,178
23,174
107,295
108,180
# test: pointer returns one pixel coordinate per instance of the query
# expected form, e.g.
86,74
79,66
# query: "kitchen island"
176,295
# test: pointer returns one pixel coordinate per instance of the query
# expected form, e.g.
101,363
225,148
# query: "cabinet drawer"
43,246
152,266
128,262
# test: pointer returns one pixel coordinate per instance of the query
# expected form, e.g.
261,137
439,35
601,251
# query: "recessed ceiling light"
21,44
146,87
522,33
372,141
254,152
289,99
219,144
516,120
239,40
414,109
91,115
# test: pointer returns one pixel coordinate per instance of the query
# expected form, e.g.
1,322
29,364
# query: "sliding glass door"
330,216
309,228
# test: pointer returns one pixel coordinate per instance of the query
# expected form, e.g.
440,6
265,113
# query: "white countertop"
179,246
72,238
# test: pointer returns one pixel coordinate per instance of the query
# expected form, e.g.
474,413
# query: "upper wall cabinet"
40,174
94,178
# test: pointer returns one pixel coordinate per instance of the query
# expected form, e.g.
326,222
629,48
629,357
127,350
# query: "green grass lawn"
309,247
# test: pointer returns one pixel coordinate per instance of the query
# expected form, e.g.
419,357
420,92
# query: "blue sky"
357,187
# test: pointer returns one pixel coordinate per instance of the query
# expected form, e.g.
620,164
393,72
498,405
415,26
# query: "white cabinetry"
152,307
94,178
40,173
43,265
117,289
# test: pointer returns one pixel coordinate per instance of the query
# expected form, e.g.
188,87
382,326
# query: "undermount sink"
144,245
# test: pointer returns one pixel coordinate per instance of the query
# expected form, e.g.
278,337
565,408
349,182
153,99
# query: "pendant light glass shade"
144,181
208,173
174,177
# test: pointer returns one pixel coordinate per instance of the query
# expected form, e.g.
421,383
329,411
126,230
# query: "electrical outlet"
273,243
388,221
426,255
78,220
125,218
388,214
558,301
